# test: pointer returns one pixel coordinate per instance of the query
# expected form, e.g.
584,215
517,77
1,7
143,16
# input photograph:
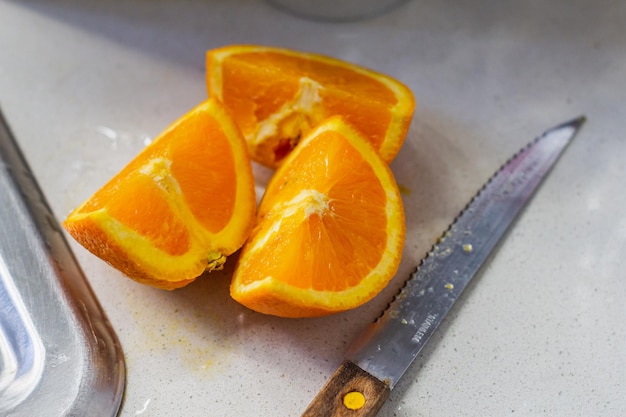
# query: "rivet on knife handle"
350,392
378,358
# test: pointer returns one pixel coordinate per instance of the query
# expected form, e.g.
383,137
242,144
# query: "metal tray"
58,353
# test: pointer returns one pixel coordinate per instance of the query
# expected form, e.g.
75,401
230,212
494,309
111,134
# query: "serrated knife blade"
379,357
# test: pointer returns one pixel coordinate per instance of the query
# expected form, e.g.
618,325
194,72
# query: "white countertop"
541,332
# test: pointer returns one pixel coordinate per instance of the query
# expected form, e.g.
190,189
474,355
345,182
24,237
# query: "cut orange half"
277,95
179,208
330,229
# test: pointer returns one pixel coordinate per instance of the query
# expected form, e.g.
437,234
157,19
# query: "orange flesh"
168,233
368,115
251,90
336,246
104,194
295,67
206,174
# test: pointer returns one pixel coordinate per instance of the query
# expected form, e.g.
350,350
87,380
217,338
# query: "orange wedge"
277,95
330,229
179,208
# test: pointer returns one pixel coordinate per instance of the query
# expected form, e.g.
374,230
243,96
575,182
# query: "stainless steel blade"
390,344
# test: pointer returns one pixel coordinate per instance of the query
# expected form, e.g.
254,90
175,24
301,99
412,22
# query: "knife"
379,357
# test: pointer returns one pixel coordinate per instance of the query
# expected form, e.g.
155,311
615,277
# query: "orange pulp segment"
276,95
179,207
330,229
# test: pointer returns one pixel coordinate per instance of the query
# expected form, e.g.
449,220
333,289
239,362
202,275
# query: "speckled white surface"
540,333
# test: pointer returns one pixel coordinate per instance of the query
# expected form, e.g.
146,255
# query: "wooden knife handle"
350,392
